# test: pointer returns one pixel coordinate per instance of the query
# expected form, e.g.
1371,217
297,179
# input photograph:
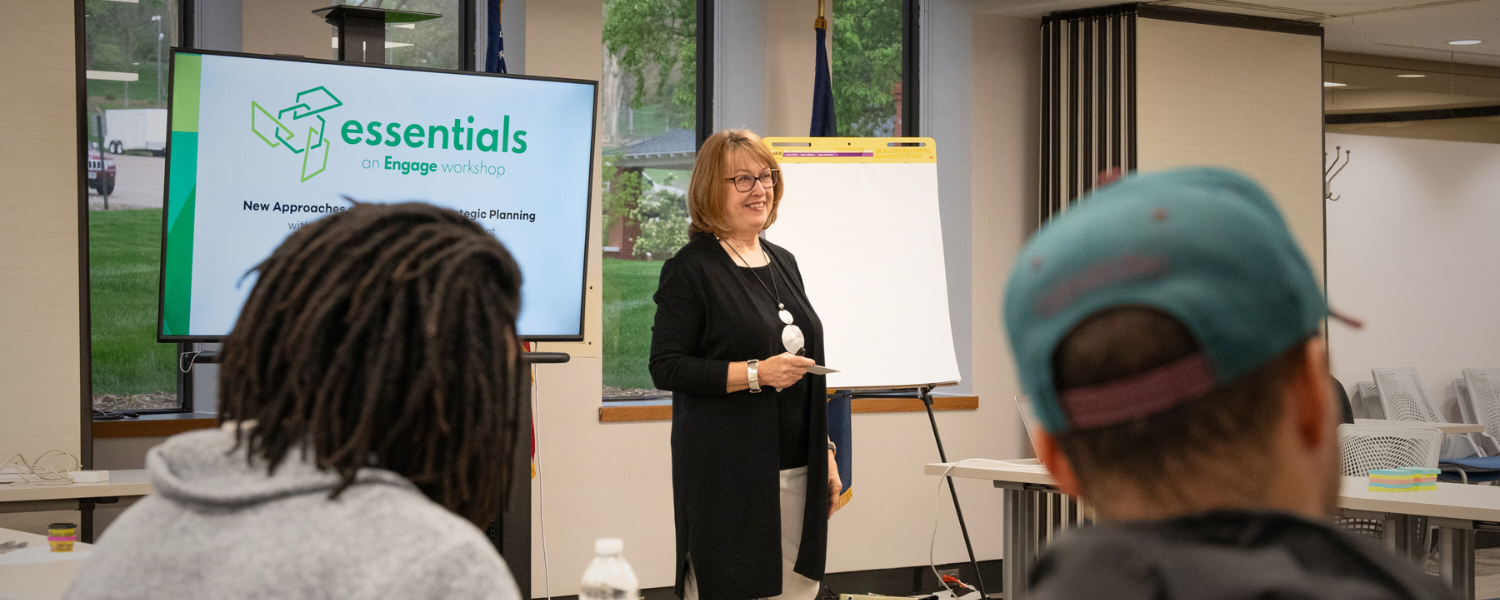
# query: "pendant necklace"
791,335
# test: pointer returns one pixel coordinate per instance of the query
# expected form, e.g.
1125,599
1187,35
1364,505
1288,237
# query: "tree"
656,42
434,43
119,26
120,34
866,65
664,224
623,189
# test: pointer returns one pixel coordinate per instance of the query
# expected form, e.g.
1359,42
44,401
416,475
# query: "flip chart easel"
862,217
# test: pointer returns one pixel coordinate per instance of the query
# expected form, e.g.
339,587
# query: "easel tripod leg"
926,395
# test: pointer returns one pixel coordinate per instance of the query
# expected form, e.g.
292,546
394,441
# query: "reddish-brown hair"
707,193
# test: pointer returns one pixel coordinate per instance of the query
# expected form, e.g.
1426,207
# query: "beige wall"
1240,98
597,480
564,38
790,43
1006,130
287,27
40,387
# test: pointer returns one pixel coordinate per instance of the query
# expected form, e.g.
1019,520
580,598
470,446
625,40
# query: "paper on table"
41,554
821,370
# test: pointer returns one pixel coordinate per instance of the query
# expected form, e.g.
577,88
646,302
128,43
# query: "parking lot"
138,183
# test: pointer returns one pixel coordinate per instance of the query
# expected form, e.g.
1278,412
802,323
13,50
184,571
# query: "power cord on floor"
937,504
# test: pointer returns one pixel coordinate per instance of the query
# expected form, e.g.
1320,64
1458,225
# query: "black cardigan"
725,488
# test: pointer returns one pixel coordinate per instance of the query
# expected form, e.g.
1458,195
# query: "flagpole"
820,22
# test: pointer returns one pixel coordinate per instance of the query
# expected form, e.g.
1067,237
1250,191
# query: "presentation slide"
261,146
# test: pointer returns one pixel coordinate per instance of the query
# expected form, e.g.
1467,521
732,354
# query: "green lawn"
124,262
628,314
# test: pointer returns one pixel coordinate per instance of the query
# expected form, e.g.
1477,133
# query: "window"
648,94
127,61
867,67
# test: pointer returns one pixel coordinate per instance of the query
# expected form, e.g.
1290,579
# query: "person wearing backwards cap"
1166,329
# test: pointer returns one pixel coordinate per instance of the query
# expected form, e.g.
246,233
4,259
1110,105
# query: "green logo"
309,104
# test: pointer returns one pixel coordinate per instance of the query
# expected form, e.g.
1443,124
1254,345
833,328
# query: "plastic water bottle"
609,577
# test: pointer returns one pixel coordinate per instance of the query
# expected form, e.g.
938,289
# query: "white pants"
793,585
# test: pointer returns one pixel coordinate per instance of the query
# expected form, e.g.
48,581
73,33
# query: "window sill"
155,425
661,410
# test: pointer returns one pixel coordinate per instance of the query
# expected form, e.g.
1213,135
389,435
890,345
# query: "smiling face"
746,212
716,205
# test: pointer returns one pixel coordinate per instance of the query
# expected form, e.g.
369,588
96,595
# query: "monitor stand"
361,30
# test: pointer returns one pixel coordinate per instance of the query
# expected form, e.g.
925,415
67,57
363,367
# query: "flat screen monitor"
260,146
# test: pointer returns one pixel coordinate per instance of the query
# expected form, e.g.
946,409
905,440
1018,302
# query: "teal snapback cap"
1204,245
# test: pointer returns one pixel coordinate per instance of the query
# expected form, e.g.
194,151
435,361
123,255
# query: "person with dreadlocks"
370,394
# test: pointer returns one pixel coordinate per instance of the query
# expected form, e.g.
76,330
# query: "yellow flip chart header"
832,150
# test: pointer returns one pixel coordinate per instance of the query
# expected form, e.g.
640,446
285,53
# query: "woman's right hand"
783,370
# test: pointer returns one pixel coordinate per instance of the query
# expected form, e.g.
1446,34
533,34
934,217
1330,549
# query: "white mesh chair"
1403,398
1368,405
1483,444
1483,402
1363,448
1483,391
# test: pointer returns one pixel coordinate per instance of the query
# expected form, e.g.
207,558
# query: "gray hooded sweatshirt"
220,528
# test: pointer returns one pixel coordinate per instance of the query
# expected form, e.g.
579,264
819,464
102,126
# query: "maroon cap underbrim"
1138,396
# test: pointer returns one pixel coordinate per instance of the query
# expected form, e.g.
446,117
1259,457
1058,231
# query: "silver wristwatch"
752,372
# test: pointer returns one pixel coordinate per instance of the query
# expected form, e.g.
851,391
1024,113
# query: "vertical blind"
1088,102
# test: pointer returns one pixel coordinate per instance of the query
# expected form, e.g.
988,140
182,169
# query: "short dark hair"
385,336
1231,423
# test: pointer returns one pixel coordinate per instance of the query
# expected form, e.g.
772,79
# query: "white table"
1034,511
1443,427
123,489
43,580
124,486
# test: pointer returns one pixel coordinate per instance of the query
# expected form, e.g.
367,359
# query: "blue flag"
494,60
823,122
841,433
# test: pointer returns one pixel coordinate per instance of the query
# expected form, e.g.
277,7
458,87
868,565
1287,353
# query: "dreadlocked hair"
384,336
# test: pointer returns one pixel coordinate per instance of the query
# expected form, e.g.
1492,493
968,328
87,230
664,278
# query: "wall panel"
41,387
1240,98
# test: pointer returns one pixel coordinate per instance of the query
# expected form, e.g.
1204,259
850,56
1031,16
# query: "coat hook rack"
1332,171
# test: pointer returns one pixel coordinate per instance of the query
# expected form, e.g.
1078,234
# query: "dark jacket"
725,452
1224,555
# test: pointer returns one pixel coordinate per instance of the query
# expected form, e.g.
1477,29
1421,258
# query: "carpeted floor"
1487,573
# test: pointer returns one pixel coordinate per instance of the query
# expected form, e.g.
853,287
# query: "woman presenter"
752,469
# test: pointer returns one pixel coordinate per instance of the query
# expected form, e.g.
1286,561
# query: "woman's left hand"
835,485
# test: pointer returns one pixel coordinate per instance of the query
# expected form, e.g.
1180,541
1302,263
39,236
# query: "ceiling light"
1410,75
1332,84
1465,42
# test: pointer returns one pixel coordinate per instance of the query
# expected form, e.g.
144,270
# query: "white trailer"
135,129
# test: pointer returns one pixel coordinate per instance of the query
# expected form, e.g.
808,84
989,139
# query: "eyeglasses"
744,183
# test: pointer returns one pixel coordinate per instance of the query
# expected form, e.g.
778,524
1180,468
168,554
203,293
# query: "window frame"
187,15
911,67
703,118
656,409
